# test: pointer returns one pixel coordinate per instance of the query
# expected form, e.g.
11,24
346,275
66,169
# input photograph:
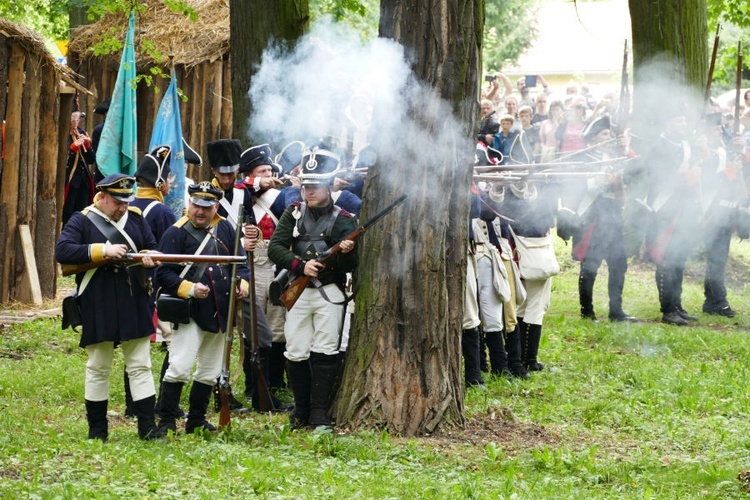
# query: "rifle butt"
225,420
265,403
290,296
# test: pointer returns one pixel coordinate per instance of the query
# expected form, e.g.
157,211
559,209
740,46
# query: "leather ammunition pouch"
173,309
569,224
279,285
71,311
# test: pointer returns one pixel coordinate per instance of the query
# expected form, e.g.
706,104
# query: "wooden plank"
63,128
198,117
212,111
30,133
3,89
9,182
29,289
226,102
46,200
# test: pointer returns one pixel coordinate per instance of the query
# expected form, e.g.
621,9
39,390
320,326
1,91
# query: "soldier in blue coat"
199,341
114,299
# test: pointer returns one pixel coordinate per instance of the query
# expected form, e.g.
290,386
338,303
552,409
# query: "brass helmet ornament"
319,166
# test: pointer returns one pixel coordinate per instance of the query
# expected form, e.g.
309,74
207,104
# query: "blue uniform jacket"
114,307
216,277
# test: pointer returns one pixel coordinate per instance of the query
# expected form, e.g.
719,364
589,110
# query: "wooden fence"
30,187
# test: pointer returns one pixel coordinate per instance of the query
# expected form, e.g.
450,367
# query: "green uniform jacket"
280,253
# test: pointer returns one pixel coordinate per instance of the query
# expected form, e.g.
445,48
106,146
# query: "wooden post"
226,103
9,182
3,90
45,233
28,287
214,74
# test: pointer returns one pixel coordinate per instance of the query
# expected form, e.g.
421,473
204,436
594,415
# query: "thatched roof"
191,43
34,43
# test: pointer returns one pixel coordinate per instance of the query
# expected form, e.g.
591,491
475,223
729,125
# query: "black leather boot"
169,397
300,379
586,281
129,408
325,369
513,348
96,414
276,366
531,349
470,350
200,396
498,356
144,411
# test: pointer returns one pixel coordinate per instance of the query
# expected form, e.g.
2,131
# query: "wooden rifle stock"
290,296
135,258
265,403
224,413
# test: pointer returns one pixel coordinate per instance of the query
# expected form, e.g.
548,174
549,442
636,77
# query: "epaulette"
135,210
182,221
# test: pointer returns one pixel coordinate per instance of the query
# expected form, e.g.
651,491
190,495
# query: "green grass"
623,411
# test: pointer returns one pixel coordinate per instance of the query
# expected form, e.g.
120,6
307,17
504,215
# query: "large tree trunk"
403,370
252,24
670,54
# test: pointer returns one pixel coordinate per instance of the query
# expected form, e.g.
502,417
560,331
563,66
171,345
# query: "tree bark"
252,24
403,369
674,35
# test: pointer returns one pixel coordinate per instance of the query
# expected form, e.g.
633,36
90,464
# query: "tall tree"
670,45
403,371
253,24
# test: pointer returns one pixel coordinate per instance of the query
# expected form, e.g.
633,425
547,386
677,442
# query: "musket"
524,166
624,105
224,389
709,79
265,403
290,296
135,259
738,91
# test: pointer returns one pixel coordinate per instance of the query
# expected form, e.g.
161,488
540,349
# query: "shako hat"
319,166
257,156
224,155
204,194
595,126
191,155
102,107
290,156
154,166
119,186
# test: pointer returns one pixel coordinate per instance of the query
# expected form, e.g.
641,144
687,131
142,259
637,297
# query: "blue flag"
168,131
118,146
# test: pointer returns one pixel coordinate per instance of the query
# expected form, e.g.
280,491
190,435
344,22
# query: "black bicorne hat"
224,155
191,155
595,126
154,166
119,186
257,156
102,107
290,156
319,166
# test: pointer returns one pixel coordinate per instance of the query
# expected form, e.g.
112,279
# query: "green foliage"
48,17
734,16
509,29
362,15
